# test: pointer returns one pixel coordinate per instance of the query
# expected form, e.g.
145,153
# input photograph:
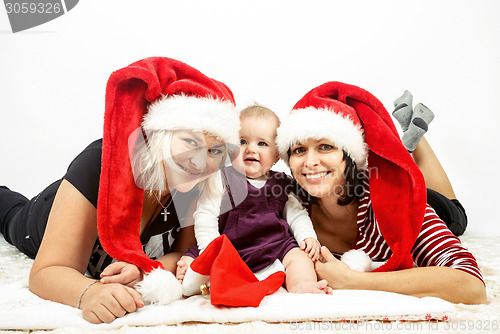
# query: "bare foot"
320,287
182,267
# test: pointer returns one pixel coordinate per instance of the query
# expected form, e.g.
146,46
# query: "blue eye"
190,142
243,142
215,151
261,143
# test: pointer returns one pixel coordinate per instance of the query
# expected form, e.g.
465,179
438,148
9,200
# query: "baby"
260,226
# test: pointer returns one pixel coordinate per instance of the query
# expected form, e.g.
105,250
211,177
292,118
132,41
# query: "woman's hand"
106,302
122,272
311,247
336,272
450,284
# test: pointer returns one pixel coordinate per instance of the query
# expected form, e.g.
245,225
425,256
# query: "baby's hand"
122,272
311,246
182,267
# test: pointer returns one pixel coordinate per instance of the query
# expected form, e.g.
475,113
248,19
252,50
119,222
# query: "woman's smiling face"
318,166
197,155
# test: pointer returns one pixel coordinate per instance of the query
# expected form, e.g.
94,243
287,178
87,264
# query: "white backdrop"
52,77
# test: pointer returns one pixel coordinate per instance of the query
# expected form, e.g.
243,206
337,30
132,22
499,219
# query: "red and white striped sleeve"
437,246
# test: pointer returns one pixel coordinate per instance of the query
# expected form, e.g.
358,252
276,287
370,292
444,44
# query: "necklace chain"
165,212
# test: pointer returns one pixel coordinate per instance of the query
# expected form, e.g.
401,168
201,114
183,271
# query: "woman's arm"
445,269
129,274
58,271
184,241
447,283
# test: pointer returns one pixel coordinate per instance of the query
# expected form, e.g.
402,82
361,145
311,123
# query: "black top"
85,170
157,239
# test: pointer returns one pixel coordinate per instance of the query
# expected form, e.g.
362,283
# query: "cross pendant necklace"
165,212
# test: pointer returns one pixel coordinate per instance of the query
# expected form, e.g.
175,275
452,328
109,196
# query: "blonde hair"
150,150
259,111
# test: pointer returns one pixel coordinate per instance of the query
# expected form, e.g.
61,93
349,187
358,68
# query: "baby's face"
258,146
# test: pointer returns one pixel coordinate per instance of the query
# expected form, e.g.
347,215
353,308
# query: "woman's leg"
23,221
434,174
11,203
440,194
450,211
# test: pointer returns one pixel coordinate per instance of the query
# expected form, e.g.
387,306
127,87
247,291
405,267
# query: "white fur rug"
349,311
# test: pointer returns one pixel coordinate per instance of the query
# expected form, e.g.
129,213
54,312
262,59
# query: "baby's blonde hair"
259,111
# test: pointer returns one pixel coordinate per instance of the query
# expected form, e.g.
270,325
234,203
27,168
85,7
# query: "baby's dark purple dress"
256,226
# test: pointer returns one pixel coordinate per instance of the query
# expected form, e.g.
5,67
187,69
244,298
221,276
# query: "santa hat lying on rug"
220,272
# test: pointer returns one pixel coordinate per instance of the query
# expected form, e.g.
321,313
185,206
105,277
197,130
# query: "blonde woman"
165,133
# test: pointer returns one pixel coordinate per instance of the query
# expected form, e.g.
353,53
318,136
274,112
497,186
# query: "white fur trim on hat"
357,260
192,282
302,124
159,287
181,112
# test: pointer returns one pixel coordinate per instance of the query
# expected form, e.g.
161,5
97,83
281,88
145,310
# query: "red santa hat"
232,283
358,123
157,93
